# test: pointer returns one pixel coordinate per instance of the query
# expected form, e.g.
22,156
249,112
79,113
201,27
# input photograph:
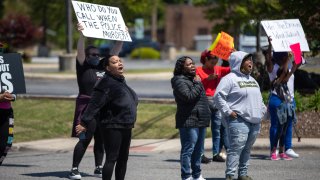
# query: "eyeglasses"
94,54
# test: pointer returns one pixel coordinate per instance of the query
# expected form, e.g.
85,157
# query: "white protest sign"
284,33
100,21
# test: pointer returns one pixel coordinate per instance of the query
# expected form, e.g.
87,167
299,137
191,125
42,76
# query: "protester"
116,103
210,75
274,62
6,123
192,116
239,98
89,69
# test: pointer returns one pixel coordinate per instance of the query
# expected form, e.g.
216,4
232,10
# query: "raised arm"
81,56
293,69
268,56
116,48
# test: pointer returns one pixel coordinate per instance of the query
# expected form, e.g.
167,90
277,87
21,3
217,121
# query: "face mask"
94,61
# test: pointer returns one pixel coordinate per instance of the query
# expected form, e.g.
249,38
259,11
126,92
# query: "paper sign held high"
99,21
284,33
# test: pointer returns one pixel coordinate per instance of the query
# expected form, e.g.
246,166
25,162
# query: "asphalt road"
69,87
156,166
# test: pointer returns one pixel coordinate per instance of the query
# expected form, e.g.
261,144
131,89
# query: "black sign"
11,73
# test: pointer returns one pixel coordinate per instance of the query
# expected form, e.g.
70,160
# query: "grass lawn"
46,118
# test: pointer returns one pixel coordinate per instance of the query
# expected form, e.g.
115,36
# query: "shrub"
314,101
145,53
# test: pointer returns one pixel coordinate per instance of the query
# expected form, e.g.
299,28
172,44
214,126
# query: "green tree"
239,14
309,16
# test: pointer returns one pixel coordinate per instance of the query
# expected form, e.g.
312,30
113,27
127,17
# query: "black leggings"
6,132
116,145
81,146
281,135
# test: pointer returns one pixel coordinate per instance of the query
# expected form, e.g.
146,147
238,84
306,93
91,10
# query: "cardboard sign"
98,21
214,44
296,52
284,33
223,47
11,73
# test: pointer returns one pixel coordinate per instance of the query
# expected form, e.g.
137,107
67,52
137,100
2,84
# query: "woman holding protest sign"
210,75
281,123
6,123
89,69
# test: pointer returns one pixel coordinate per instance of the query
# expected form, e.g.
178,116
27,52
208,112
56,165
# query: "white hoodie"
240,93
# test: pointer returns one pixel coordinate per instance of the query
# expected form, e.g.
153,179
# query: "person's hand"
80,129
212,76
80,28
8,96
197,78
233,115
269,40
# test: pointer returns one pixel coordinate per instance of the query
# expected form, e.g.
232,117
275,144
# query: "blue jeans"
218,133
274,102
192,140
241,135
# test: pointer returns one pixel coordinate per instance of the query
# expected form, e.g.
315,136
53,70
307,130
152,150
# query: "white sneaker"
189,178
199,178
291,153
223,155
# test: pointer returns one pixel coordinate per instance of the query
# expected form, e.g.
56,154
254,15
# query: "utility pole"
154,20
68,27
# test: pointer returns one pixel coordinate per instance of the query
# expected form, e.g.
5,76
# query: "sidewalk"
149,145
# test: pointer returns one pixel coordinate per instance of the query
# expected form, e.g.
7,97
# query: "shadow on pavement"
260,156
173,160
17,165
58,174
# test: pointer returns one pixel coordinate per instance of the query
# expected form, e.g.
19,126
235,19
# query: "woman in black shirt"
115,103
89,69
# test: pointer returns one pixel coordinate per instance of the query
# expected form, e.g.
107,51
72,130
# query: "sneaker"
284,156
291,153
218,158
274,156
199,178
74,173
98,171
244,178
223,155
228,177
205,160
189,178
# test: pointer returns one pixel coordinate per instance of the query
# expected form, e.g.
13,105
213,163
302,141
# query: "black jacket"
114,102
192,103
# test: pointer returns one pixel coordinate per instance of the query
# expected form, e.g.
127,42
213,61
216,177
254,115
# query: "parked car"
128,47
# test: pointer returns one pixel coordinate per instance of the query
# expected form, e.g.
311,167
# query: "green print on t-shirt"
244,84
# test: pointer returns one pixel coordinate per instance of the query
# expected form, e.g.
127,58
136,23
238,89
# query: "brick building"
183,23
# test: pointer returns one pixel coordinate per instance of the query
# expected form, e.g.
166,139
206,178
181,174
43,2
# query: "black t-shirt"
87,76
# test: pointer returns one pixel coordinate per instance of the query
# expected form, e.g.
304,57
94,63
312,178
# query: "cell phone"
82,136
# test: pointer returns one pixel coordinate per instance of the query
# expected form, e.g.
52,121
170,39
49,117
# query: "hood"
236,59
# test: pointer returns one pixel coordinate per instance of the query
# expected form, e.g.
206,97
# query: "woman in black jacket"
115,105
192,116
